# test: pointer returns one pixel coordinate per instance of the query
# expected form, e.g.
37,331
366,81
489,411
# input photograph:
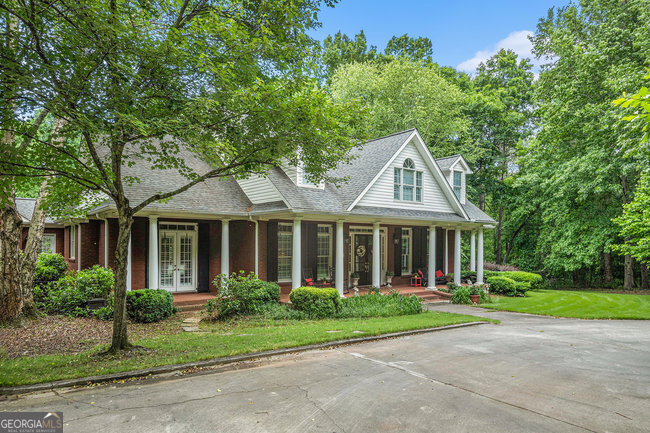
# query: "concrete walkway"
528,374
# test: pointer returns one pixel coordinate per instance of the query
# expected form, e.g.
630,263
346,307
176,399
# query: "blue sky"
463,32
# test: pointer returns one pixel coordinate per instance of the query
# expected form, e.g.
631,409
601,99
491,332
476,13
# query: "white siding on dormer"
381,193
259,190
463,176
291,171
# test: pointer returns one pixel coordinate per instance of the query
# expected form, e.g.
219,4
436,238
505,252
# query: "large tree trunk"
628,280
644,275
120,339
11,300
608,274
32,251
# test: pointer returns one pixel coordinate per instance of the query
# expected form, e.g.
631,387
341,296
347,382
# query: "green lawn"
583,305
218,340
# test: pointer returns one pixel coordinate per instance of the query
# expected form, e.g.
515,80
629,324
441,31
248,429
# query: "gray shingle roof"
304,198
369,160
407,213
446,162
215,196
25,207
477,214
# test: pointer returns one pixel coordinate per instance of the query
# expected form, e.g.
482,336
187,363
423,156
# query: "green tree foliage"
402,94
229,81
340,49
635,221
414,49
575,166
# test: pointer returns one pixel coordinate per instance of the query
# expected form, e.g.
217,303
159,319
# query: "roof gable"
438,193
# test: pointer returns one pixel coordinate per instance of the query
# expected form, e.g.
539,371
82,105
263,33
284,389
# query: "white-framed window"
406,250
407,182
458,183
48,243
285,247
73,240
324,251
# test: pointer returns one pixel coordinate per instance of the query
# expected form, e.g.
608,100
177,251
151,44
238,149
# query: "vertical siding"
259,190
381,193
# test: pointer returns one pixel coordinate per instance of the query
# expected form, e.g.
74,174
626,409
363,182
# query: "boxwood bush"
50,268
149,305
315,302
534,280
70,294
241,294
502,286
378,305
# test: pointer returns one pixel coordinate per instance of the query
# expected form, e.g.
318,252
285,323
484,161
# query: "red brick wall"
262,228
60,238
89,244
101,242
72,263
215,249
242,246
139,252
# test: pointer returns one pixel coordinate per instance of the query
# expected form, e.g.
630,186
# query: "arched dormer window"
407,182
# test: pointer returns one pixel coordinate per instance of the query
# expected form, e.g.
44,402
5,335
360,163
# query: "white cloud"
516,41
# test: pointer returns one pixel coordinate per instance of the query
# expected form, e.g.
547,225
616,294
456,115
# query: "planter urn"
475,298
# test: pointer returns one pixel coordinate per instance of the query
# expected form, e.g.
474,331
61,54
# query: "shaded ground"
60,334
530,373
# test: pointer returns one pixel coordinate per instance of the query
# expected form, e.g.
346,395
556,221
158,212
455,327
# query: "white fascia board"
442,180
464,163
384,168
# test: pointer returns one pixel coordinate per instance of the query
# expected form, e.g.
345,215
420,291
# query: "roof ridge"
450,156
390,135
25,198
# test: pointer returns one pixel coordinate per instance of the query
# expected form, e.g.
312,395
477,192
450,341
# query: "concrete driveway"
530,373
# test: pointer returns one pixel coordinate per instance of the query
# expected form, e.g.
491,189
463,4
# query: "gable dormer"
455,168
298,176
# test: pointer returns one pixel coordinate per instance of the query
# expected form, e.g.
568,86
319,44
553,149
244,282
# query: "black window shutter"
312,253
440,248
398,251
272,251
304,247
204,257
416,248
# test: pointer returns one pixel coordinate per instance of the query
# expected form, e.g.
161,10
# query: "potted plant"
475,294
389,278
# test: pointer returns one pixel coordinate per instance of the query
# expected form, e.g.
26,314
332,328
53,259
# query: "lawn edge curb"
82,381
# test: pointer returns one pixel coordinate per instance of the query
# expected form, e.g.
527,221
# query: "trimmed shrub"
461,295
465,275
241,294
451,287
500,268
69,295
377,305
149,305
50,268
502,286
315,302
276,311
534,280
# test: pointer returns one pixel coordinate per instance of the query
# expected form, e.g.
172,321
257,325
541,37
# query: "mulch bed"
67,335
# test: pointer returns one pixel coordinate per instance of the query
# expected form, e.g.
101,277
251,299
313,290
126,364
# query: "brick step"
194,307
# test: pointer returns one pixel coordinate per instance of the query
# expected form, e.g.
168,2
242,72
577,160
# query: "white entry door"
177,257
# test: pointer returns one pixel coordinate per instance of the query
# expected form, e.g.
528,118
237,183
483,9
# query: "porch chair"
424,277
441,278
307,277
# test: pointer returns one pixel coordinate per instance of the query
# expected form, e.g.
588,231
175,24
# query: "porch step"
196,307
191,301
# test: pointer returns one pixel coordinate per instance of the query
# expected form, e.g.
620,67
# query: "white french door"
177,243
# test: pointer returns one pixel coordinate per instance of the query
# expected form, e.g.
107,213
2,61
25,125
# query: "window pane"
396,192
323,259
418,194
285,245
457,191
408,177
408,163
418,178
397,175
457,179
406,249
408,193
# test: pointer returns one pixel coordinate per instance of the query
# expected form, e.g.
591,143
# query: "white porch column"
376,256
296,265
128,266
257,247
457,269
225,247
339,258
431,266
479,258
106,242
79,247
153,251
472,251
445,259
